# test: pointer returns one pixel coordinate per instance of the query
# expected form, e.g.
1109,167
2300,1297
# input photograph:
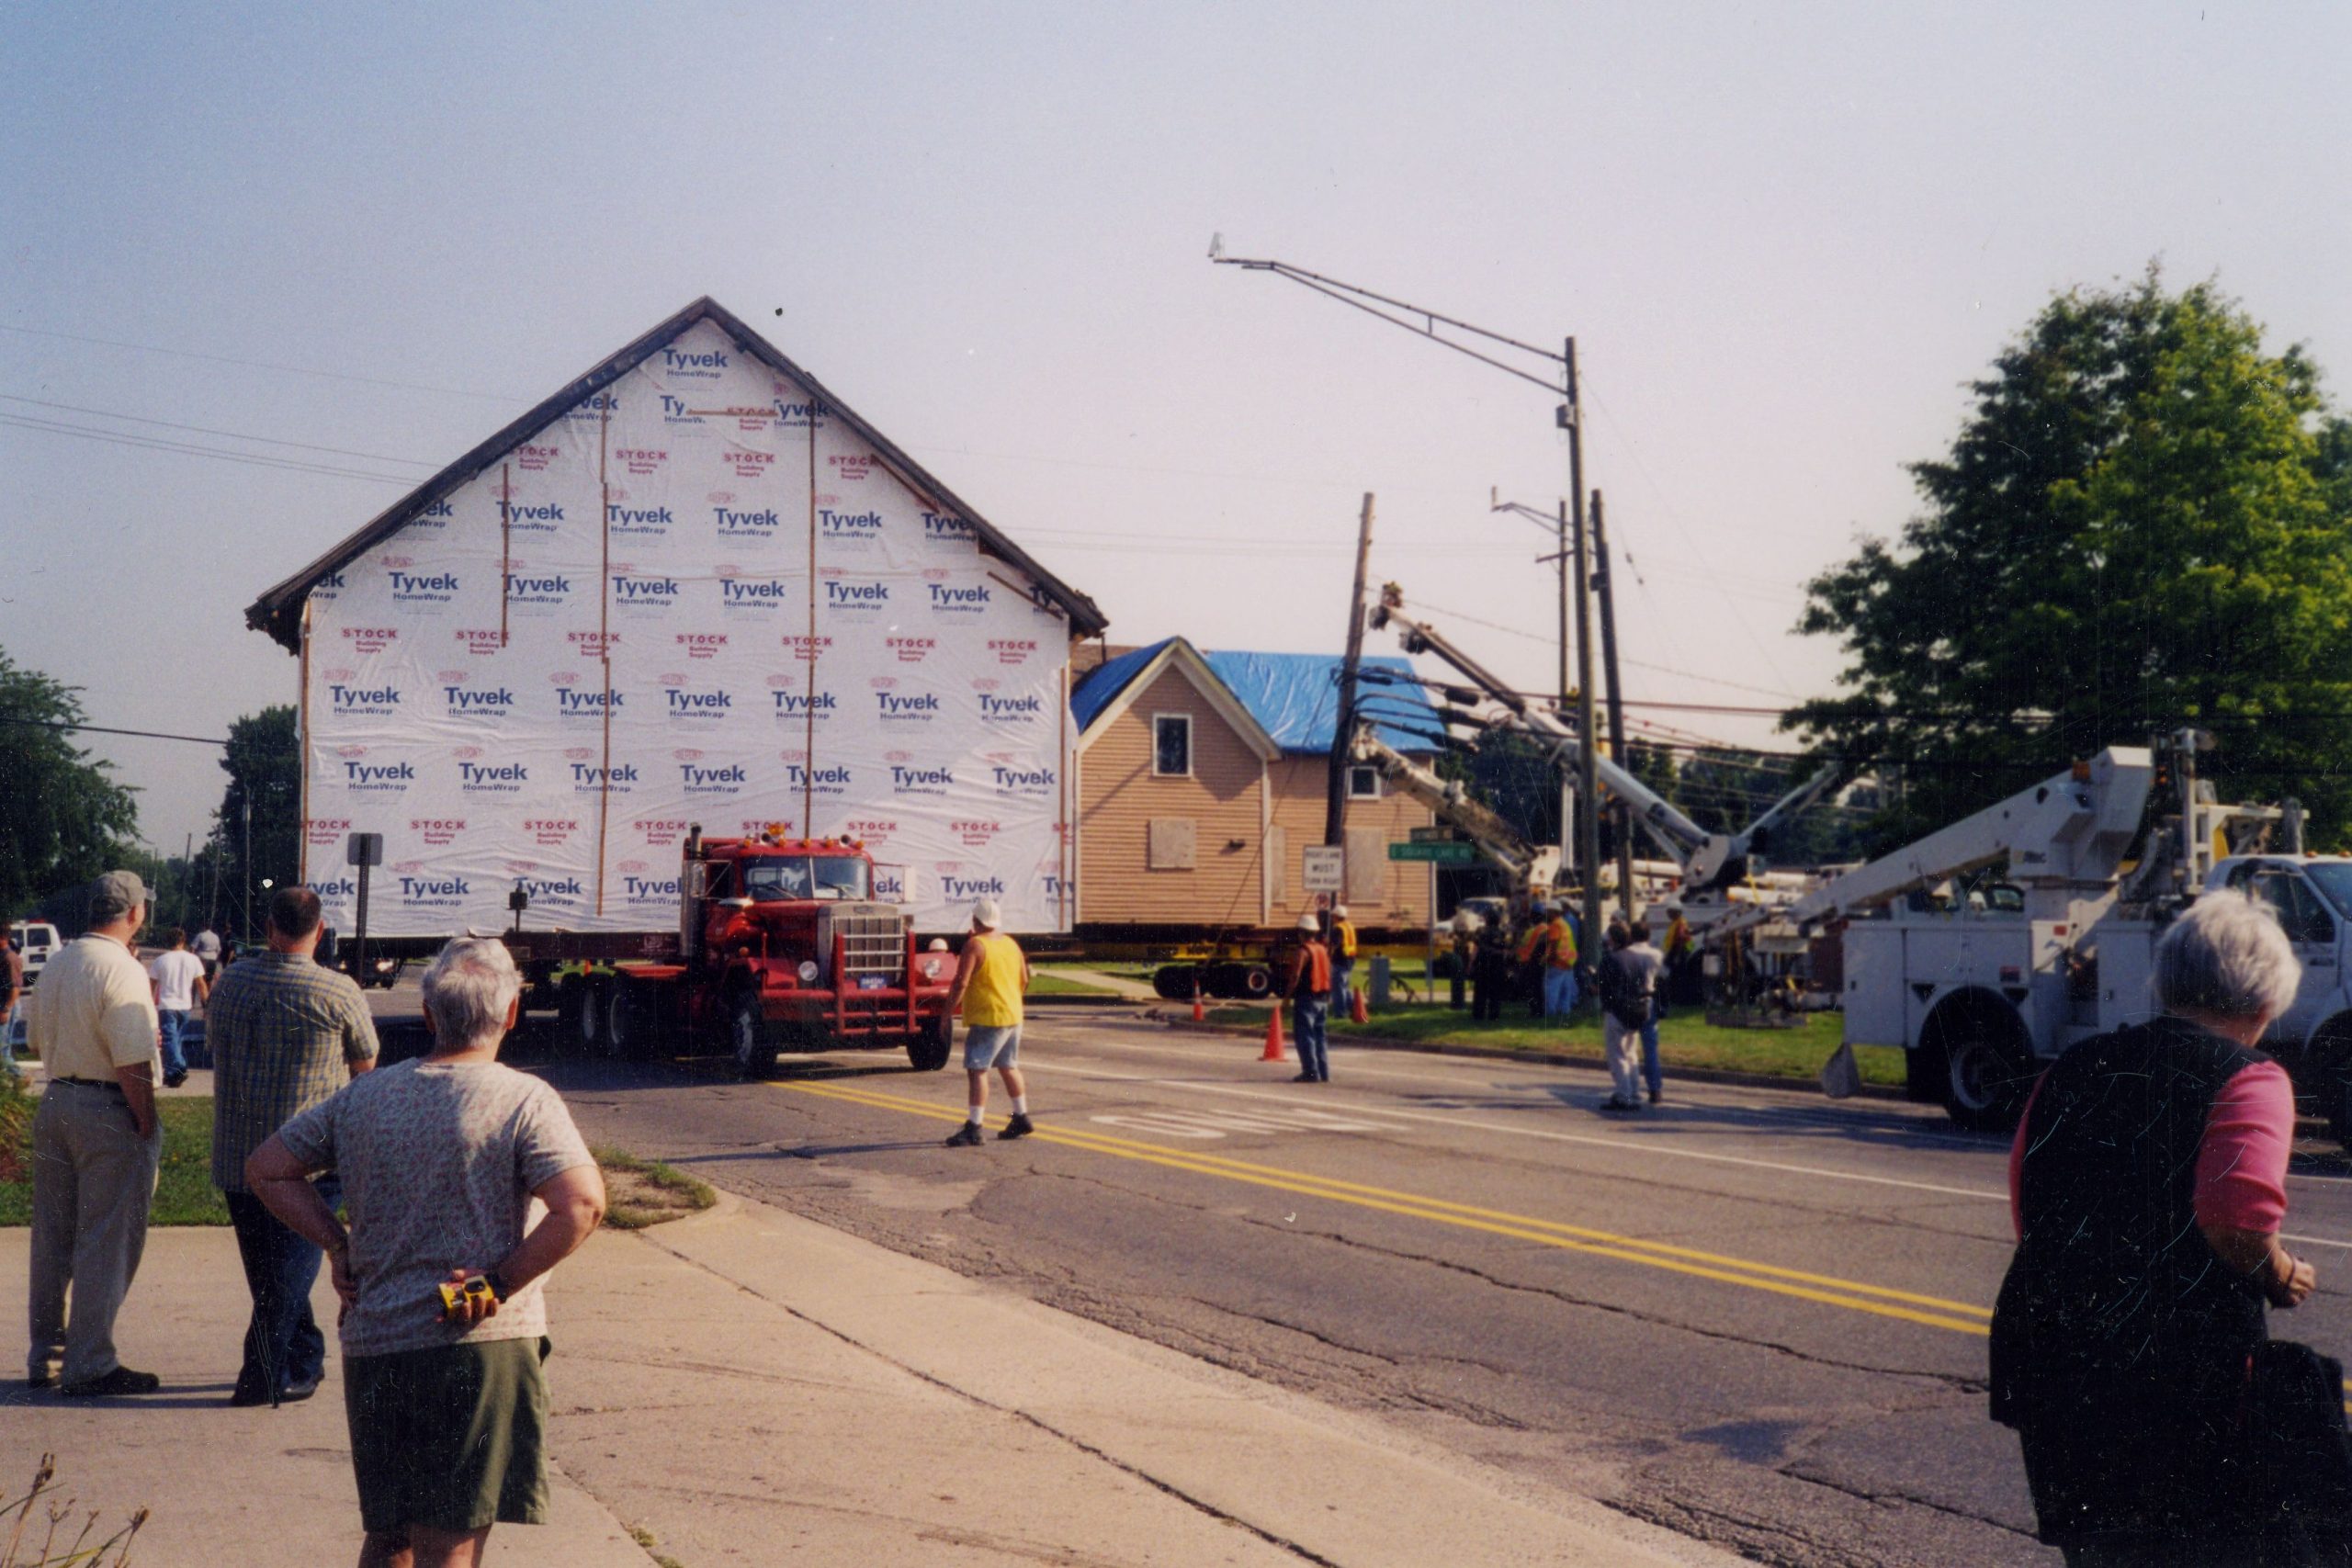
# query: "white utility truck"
1981,992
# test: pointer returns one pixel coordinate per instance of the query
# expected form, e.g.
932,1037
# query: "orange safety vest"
1563,943
1678,936
1315,972
1347,932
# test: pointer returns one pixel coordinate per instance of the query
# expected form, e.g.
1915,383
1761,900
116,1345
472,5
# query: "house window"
1171,745
1364,784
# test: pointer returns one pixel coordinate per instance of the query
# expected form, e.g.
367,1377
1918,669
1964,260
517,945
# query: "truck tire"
1985,1080
748,1040
632,1021
1174,982
567,1012
929,1050
595,1003
1257,982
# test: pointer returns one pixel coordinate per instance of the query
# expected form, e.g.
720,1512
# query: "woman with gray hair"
444,1327
2147,1185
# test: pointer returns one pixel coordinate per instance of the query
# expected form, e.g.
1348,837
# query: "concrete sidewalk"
753,1388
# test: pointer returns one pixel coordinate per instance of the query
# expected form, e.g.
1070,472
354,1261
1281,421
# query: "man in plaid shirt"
285,1034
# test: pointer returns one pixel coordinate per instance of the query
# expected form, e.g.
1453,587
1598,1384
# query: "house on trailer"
692,588
1202,779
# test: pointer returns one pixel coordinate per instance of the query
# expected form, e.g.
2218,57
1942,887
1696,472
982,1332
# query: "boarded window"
1171,745
1367,866
1169,843
1277,865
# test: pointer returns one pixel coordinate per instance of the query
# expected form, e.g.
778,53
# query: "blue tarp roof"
1294,696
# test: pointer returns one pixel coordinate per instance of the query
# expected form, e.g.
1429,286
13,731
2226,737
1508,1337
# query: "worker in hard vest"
1306,981
1342,942
990,976
1528,957
1490,970
1682,957
1559,968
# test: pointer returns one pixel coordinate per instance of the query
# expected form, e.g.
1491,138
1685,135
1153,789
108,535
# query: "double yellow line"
1879,1301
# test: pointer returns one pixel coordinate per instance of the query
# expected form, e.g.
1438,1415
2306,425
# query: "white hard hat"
1309,923
1338,911
936,945
986,914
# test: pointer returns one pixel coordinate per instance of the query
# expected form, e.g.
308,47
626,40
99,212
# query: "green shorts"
452,1439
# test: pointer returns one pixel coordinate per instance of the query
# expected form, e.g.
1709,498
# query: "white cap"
1308,922
1338,911
986,914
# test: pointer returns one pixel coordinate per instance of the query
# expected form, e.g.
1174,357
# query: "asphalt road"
1755,1317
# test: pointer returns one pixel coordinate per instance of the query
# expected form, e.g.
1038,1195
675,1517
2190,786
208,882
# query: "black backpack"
1623,997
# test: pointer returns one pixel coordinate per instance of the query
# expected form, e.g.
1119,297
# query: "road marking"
1218,1123
1934,1312
1551,1135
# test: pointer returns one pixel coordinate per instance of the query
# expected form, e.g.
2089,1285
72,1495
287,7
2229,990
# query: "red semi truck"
780,946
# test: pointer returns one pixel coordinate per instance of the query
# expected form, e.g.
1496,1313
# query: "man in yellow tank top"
991,976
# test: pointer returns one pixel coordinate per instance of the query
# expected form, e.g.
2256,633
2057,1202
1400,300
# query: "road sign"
1323,868
1438,835
1436,855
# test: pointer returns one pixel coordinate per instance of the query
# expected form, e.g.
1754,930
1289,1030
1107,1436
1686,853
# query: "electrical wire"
184,448
206,430
106,730
263,365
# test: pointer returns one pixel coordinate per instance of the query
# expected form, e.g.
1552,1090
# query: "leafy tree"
264,763
2142,525
64,819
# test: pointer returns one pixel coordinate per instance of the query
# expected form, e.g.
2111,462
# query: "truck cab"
2312,896
782,947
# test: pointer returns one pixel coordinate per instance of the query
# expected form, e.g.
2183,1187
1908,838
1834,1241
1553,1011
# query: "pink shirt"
2241,1161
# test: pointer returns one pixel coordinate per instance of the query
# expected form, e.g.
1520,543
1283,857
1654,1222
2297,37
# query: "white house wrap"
692,588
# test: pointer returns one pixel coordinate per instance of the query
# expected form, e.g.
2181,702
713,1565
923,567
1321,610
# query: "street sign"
363,848
1436,855
1323,868
1438,835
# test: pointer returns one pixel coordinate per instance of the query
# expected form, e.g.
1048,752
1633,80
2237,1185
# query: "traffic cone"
1274,1035
1200,1013
1355,1006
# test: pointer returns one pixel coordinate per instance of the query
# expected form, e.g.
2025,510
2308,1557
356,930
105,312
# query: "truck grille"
873,941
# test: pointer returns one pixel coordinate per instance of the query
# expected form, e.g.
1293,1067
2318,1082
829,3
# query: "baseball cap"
114,895
986,914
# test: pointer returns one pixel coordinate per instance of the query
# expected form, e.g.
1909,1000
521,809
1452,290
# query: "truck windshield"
774,878
2335,880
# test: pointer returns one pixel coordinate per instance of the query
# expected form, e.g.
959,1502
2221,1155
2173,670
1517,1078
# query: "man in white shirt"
177,977
206,948
96,1143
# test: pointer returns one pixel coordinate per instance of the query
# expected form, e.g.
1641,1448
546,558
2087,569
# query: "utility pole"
1618,813
1571,416
1335,798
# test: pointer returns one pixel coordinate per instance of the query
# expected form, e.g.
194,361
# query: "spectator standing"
1530,954
1459,942
991,977
2147,1185
1560,957
441,1158
95,1144
177,978
1306,981
1340,941
285,1034
1627,981
1682,959
12,993
1490,971
206,948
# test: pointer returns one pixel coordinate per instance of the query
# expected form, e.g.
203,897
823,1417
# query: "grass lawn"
184,1192
641,1192
1046,983
1683,1040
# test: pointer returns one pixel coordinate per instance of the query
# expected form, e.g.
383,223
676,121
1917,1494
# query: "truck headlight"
807,971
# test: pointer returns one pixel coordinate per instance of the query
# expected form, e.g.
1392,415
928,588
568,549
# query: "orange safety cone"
1355,1006
1200,1013
1274,1035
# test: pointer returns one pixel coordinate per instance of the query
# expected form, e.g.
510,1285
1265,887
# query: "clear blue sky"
1783,235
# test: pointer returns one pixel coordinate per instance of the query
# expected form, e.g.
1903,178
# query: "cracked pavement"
1793,1431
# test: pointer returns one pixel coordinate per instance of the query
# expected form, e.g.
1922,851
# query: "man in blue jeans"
1306,981
285,1034
177,976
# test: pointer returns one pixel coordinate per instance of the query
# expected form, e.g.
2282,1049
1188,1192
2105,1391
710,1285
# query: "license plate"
872,982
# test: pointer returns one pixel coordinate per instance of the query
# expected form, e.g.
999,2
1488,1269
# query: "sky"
264,268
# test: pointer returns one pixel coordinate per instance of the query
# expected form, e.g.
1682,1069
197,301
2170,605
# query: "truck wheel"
929,1050
595,1002
1257,982
748,1039
632,1023
1985,1082
1174,981
567,1011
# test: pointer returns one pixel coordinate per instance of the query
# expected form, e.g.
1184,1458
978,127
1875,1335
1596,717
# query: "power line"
263,365
206,430
106,730
186,449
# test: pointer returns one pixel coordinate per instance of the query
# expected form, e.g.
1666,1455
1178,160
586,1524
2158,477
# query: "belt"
91,1083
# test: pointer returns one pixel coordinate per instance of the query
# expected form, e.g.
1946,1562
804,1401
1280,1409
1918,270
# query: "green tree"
263,761
2142,525
64,819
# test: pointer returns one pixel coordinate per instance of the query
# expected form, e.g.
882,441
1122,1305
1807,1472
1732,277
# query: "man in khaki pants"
95,1144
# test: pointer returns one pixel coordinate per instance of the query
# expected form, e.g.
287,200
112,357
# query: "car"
37,941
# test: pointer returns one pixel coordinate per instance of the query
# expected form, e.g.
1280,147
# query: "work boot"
964,1137
107,1385
1019,1127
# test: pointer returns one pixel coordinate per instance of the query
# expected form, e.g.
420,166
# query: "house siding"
1298,785
1121,797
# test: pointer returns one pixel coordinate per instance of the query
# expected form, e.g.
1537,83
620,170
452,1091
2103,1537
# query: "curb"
1541,1058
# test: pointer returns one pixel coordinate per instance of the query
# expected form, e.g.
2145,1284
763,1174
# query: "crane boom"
1535,867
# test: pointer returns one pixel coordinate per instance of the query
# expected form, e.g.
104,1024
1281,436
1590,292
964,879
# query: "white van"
37,941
